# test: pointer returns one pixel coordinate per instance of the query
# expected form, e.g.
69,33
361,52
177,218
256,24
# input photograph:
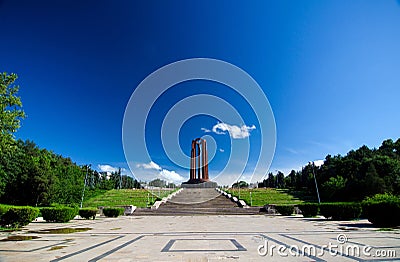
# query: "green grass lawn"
263,196
122,197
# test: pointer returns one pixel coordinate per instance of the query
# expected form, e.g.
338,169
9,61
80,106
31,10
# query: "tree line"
38,177
360,173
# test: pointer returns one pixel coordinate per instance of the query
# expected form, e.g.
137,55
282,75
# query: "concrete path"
205,238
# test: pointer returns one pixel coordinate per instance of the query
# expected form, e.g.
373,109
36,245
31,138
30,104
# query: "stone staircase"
198,201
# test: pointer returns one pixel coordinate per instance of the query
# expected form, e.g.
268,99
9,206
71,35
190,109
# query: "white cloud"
236,132
150,165
171,176
318,163
107,168
168,175
110,169
205,130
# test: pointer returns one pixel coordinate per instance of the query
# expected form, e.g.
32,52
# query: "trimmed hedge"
17,216
285,210
4,209
383,210
113,211
309,209
341,210
58,214
88,213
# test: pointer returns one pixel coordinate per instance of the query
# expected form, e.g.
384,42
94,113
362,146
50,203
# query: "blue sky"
330,71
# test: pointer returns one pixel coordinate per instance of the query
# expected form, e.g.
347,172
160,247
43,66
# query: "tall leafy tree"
271,180
280,180
332,189
291,179
387,148
372,184
11,114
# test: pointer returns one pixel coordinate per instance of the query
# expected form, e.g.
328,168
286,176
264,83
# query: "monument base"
198,183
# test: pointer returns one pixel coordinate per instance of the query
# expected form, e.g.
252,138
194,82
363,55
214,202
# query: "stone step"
194,195
198,201
190,212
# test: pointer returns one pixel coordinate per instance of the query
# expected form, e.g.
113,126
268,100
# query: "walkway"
201,238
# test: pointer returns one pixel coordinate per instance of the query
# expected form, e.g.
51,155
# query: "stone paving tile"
203,238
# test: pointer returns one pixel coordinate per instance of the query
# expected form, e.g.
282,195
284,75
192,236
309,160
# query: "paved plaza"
205,238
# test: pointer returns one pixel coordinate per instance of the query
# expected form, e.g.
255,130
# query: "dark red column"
205,161
198,161
192,161
203,158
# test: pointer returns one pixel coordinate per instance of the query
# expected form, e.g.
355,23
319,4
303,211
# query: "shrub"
4,209
340,211
58,214
285,210
17,216
309,209
382,198
88,213
113,211
383,210
328,209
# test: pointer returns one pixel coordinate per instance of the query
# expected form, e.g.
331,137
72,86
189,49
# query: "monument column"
198,161
205,172
199,177
192,161
203,158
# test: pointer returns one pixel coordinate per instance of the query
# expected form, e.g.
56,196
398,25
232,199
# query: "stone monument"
199,166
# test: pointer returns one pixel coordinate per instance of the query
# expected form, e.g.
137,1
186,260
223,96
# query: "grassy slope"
122,197
263,196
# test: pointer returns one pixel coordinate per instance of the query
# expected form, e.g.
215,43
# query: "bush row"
64,213
113,211
59,213
17,216
381,210
340,211
309,209
285,210
88,213
334,211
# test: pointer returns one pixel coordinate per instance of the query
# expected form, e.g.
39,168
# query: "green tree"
280,180
372,184
271,180
397,148
157,183
291,179
11,114
388,148
332,189
241,184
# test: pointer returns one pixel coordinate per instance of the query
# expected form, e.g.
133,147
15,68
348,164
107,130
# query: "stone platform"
199,184
201,238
